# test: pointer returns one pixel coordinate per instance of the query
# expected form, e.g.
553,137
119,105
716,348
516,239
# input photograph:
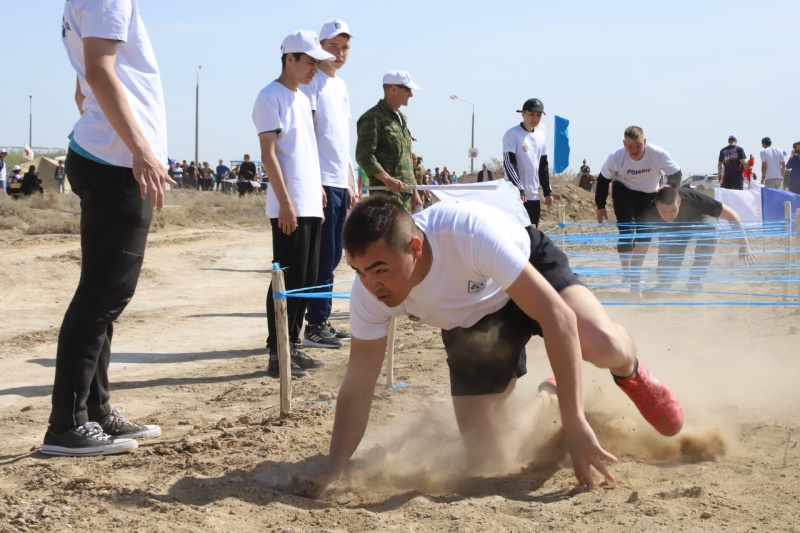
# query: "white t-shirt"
478,252
773,157
528,148
643,175
136,69
3,172
331,105
289,113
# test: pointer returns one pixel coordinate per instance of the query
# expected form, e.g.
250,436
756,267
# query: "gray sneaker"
319,336
335,332
116,424
83,441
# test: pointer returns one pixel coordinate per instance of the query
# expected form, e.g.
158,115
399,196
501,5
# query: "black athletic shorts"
484,357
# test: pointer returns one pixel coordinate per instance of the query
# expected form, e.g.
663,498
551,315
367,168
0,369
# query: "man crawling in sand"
490,284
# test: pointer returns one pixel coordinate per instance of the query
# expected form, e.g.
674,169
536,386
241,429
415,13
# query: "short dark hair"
667,195
767,141
378,217
297,56
635,133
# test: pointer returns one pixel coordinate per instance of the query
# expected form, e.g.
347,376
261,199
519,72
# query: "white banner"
500,194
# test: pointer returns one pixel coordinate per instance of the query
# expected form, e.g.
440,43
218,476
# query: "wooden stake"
562,222
797,230
390,353
282,331
787,214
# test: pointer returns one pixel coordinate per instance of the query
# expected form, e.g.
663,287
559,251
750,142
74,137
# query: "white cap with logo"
304,42
400,77
332,28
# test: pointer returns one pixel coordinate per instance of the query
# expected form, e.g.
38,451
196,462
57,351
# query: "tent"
46,168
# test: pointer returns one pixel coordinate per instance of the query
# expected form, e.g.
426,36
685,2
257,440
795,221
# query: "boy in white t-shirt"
525,159
636,171
117,155
475,273
330,104
283,120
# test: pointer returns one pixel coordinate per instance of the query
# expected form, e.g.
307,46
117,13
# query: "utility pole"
197,119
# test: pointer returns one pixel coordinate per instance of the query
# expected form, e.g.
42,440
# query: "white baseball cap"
3,151
332,28
732,137
400,77
16,167
304,42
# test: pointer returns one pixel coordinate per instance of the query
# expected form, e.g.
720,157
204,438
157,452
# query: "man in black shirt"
732,159
681,215
247,173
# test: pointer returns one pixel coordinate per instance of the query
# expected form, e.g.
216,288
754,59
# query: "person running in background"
636,171
683,214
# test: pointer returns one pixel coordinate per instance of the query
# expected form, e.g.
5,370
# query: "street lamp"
197,119
472,139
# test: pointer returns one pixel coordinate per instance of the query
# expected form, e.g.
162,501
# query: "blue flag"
561,160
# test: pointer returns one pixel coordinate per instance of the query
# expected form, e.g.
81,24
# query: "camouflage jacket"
419,175
384,144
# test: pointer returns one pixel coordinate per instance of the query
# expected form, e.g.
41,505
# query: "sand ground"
188,354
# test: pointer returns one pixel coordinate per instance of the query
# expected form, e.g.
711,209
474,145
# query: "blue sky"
689,73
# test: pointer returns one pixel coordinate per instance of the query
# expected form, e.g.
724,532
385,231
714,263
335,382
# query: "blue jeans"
330,252
114,223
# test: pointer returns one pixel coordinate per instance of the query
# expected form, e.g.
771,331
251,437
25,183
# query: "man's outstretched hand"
586,452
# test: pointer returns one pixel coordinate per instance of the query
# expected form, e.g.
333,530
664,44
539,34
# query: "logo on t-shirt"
640,171
474,286
524,147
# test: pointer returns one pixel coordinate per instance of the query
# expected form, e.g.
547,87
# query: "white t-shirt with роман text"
135,67
643,175
773,157
478,252
331,106
289,113
528,148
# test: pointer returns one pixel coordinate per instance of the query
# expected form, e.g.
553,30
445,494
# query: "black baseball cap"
532,104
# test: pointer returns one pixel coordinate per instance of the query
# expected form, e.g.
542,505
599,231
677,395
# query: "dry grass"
52,213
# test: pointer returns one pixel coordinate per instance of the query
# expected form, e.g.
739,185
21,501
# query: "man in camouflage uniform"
383,148
422,179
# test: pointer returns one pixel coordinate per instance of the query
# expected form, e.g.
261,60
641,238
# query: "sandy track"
189,355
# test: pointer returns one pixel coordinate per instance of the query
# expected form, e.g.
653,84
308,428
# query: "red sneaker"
548,385
654,400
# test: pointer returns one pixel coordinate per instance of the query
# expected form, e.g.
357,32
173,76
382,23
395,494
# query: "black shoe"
274,370
85,440
337,333
117,425
319,336
303,360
